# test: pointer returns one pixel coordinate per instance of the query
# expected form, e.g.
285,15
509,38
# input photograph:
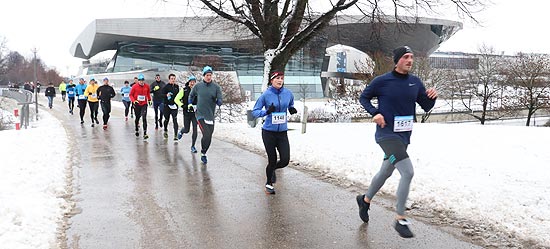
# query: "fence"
23,98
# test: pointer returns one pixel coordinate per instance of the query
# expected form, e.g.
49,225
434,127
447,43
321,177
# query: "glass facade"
302,73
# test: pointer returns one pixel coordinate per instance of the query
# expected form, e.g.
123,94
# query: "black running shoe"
402,227
269,189
96,121
166,135
137,133
145,136
363,208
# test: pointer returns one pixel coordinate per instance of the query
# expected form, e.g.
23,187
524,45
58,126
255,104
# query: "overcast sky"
52,26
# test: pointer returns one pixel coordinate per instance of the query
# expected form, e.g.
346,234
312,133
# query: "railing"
23,98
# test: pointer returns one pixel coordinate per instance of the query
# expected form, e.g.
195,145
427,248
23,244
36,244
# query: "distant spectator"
50,94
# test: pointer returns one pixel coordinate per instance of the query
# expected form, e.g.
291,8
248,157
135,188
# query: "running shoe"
193,149
269,189
93,124
203,158
363,208
160,123
126,118
402,227
180,135
96,121
105,127
137,133
166,135
175,139
81,121
145,136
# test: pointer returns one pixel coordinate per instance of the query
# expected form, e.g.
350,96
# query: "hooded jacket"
282,99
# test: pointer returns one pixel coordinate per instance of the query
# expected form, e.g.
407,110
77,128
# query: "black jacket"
105,93
50,91
157,94
170,88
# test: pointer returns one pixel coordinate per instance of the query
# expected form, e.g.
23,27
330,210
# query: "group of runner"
397,93
197,100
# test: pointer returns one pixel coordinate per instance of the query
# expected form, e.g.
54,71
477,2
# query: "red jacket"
140,93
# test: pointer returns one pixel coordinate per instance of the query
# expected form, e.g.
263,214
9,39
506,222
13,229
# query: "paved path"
156,194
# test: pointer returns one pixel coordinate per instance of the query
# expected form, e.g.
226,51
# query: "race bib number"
141,98
126,95
173,107
94,95
403,123
278,117
81,97
210,122
71,92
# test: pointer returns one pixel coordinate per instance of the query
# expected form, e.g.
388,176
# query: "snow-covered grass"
32,184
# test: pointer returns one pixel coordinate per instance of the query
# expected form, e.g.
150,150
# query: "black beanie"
399,52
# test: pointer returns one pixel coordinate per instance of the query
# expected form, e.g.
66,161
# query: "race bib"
141,98
71,92
403,123
126,95
173,107
81,97
278,117
210,122
94,95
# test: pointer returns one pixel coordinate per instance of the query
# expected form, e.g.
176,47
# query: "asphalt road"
157,194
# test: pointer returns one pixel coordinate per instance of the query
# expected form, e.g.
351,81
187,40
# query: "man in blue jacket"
397,92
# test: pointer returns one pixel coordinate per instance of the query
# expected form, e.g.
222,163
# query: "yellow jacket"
91,92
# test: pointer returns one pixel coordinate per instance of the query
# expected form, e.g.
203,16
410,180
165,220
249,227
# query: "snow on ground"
32,181
493,174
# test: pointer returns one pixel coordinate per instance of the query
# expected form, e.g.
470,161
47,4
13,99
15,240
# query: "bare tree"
529,75
479,92
285,26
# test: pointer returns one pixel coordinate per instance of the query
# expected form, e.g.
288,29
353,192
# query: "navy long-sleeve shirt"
397,94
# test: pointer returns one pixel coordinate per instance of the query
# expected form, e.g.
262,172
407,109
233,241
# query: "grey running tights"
394,151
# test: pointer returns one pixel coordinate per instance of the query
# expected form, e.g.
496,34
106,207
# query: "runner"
208,94
188,113
63,90
396,93
275,100
170,108
93,101
125,91
71,87
105,94
140,95
50,94
156,88
80,89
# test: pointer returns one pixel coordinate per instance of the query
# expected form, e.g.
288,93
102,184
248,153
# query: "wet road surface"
157,194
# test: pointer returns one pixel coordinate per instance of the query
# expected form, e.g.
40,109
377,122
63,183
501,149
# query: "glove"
292,110
150,103
156,88
270,109
191,108
169,95
136,102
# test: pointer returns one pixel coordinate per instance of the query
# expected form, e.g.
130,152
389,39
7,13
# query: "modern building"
185,44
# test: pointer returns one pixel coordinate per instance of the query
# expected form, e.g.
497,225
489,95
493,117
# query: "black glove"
270,109
292,110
